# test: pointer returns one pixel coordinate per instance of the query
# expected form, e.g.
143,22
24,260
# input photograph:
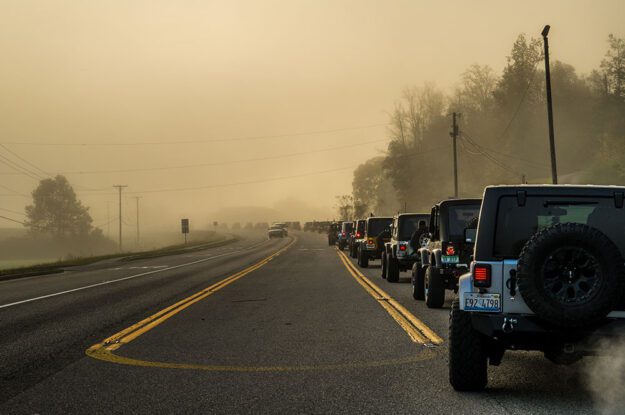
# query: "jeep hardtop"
357,235
548,275
377,233
400,253
447,254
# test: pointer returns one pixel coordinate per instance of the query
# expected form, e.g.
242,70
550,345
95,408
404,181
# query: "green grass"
59,266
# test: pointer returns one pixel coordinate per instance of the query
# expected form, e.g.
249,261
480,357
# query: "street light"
552,144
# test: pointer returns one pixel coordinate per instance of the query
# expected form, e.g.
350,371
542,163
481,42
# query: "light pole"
552,143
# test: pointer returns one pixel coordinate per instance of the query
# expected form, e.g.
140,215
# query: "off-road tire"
468,358
414,242
598,297
392,274
435,293
363,259
418,283
383,264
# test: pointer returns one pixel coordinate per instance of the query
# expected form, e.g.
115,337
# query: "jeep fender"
423,256
436,258
464,286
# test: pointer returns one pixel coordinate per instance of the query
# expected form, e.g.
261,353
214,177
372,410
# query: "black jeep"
377,233
447,254
548,275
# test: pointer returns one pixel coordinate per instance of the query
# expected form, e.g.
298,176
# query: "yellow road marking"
109,356
127,335
418,331
104,350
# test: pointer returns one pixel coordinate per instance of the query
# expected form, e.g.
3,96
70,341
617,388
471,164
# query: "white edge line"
124,278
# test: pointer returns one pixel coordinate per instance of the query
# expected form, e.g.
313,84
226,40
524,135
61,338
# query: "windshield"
516,224
459,218
376,226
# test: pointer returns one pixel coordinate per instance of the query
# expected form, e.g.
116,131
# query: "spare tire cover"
571,275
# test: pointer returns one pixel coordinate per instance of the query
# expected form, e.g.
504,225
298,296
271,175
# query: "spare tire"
571,275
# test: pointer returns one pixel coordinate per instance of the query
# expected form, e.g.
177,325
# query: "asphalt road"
258,326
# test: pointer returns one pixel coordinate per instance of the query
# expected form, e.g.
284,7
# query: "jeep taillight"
402,247
343,233
357,234
450,250
482,275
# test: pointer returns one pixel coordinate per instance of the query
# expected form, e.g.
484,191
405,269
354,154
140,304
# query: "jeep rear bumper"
526,332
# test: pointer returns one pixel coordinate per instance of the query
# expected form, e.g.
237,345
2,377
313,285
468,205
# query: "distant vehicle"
345,234
548,275
400,253
308,226
447,254
261,225
333,232
377,233
276,232
282,225
296,226
357,235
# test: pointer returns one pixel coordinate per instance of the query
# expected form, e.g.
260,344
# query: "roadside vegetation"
503,132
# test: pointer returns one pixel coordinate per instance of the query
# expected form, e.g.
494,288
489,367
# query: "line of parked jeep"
533,267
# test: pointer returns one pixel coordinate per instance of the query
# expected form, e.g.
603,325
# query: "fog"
205,108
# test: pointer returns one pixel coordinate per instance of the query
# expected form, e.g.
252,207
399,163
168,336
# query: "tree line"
503,132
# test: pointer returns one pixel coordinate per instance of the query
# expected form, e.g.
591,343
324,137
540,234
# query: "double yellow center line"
129,334
415,328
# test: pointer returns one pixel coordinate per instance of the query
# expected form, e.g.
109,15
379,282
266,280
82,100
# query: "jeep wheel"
383,264
393,270
468,360
418,285
571,275
434,288
363,259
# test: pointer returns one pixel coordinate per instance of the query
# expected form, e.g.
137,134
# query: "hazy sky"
97,72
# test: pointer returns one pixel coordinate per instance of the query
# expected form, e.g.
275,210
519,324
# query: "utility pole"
454,136
108,219
552,143
119,188
138,240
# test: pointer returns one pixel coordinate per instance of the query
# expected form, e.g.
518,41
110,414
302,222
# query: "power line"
221,163
13,211
211,140
13,220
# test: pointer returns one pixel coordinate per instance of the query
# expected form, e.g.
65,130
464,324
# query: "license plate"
482,302
450,259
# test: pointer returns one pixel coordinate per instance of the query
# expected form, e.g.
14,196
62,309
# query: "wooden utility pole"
119,188
552,140
454,136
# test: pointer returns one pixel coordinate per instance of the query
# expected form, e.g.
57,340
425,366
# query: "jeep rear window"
516,224
408,225
361,227
459,218
347,226
376,226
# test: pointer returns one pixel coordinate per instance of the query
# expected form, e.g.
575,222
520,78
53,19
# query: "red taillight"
357,234
481,275
450,250
402,247
343,233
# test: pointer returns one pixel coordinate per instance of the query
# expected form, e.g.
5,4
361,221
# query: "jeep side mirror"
469,235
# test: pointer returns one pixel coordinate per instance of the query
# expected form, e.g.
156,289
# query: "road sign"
185,225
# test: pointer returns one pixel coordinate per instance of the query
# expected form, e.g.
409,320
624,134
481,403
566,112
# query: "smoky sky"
253,92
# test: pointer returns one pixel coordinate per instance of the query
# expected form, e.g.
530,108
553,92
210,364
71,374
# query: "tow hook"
508,324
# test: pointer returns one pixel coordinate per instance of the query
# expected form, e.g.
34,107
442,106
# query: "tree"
613,66
345,207
56,211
